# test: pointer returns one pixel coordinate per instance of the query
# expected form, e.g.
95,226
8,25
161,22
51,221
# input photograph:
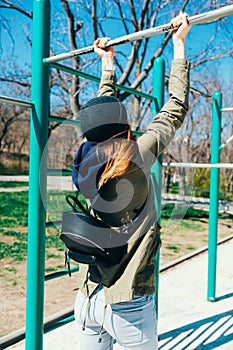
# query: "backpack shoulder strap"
73,201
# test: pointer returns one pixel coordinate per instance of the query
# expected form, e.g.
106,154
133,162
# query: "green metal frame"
37,176
97,80
214,195
156,170
15,101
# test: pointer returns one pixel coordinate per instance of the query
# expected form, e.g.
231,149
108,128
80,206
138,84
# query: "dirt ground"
60,293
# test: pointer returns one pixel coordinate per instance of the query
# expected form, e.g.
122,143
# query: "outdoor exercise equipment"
39,106
205,17
15,101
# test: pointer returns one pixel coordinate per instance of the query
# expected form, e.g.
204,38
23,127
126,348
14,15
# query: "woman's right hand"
101,50
182,27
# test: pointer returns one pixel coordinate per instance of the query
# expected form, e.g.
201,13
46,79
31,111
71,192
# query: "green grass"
21,236
14,215
178,211
53,241
10,269
51,269
174,248
16,250
49,255
190,247
192,225
182,225
226,216
13,209
13,184
56,204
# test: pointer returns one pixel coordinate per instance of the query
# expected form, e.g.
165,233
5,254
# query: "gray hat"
103,117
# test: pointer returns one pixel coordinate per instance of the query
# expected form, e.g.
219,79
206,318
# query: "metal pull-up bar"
15,101
197,19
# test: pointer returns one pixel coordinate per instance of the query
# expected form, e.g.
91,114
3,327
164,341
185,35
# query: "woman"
112,170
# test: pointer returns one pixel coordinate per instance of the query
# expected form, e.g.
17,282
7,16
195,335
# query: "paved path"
53,182
186,320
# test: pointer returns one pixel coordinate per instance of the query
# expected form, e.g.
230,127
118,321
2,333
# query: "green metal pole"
214,195
37,176
156,171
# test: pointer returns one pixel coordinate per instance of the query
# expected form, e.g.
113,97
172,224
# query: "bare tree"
12,140
78,23
131,16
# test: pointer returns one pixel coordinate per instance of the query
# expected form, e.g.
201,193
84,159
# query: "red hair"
118,153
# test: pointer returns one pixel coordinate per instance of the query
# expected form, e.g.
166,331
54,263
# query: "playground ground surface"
186,319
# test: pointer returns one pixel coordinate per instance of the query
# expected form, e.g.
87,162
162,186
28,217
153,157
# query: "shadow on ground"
208,333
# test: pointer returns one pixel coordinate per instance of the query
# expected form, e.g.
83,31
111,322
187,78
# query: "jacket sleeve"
163,127
107,85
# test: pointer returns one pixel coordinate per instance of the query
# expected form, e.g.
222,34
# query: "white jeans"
132,324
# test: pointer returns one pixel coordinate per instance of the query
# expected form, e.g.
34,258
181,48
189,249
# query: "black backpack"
88,239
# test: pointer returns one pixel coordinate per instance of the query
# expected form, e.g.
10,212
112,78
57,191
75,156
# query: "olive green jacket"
135,275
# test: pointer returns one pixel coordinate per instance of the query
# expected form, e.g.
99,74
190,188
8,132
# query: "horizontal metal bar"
198,165
53,223
15,101
224,144
195,91
197,19
61,273
60,323
227,109
63,120
57,119
118,86
94,78
59,171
